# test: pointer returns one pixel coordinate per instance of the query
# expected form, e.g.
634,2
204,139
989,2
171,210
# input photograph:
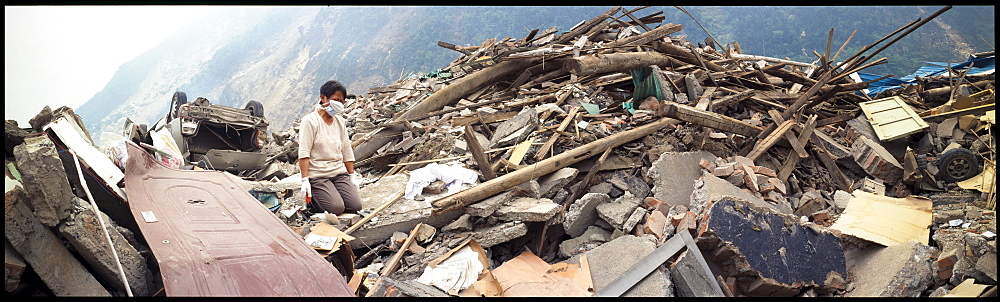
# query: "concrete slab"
674,173
629,183
709,189
45,181
499,233
903,270
638,214
528,209
583,213
617,212
776,254
54,264
614,258
83,230
488,206
516,129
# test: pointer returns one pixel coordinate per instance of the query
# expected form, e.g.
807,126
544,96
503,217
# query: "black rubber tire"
957,165
256,108
180,98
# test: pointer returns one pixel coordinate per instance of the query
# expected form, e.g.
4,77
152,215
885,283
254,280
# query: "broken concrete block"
499,233
629,183
41,119
488,206
402,215
773,254
83,230
593,237
13,135
550,184
841,199
723,171
615,257
461,224
528,209
812,201
516,129
54,264
617,212
673,175
637,215
987,264
45,181
14,266
690,279
710,188
903,270
583,213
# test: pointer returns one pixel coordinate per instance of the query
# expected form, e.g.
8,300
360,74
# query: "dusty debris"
549,165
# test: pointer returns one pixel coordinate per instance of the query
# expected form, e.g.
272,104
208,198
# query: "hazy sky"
63,55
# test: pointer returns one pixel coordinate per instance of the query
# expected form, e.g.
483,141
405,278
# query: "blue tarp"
979,66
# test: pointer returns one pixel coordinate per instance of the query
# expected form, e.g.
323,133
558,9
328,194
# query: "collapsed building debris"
616,158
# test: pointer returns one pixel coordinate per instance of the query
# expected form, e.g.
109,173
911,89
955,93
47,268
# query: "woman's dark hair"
331,87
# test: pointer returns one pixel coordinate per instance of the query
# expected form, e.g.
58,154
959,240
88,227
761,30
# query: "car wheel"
256,108
957,165
179,99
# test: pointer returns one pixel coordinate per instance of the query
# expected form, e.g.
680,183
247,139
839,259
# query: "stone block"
628,183
45,180
616,213
593,237
461,224
673,175
637,215
14,266
499,233
710,188
723,171
583,213
987,264
516,129
54,264
528,209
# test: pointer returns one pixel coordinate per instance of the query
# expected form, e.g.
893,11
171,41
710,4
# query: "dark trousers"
335,195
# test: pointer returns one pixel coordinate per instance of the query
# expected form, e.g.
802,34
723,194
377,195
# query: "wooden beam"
549,165
770,140
791,160
789,136
708,119
393,263
617,62
684,55
477,153
374,213
832,168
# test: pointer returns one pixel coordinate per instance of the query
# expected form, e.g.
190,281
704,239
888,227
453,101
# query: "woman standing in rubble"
326,158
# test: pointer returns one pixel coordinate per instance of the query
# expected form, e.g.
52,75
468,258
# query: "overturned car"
217,137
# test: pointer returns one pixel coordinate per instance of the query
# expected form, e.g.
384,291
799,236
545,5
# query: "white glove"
355,180
306,188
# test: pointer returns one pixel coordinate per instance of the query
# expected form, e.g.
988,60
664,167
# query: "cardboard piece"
984,182
886,220
462,267
324,230
529,276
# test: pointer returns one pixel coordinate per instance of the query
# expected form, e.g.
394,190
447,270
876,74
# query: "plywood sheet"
886,220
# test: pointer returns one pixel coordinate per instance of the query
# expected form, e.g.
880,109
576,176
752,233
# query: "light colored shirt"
326,146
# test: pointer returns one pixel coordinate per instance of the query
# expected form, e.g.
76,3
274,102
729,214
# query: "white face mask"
334,108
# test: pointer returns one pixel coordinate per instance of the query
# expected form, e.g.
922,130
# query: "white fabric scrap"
456,273
453,177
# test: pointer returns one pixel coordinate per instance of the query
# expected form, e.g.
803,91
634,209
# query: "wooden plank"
891,118
489,118
831,166
708,119
520,150
886,220
477,153
791,160
570,117
393,263
789,136
770,140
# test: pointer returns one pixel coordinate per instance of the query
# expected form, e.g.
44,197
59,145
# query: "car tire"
256,108
957,165
179,99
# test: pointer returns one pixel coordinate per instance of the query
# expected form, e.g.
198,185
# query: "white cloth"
453,176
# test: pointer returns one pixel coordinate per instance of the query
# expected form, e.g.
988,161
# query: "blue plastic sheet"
974,65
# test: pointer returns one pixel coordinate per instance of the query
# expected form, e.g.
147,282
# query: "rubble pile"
615,158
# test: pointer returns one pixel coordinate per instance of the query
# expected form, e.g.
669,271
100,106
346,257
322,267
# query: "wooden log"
791,76
649,36
453,47
618,62
477,153
743,57
789,136
685,55
561,160
801,101
732,99
708,119
945,92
